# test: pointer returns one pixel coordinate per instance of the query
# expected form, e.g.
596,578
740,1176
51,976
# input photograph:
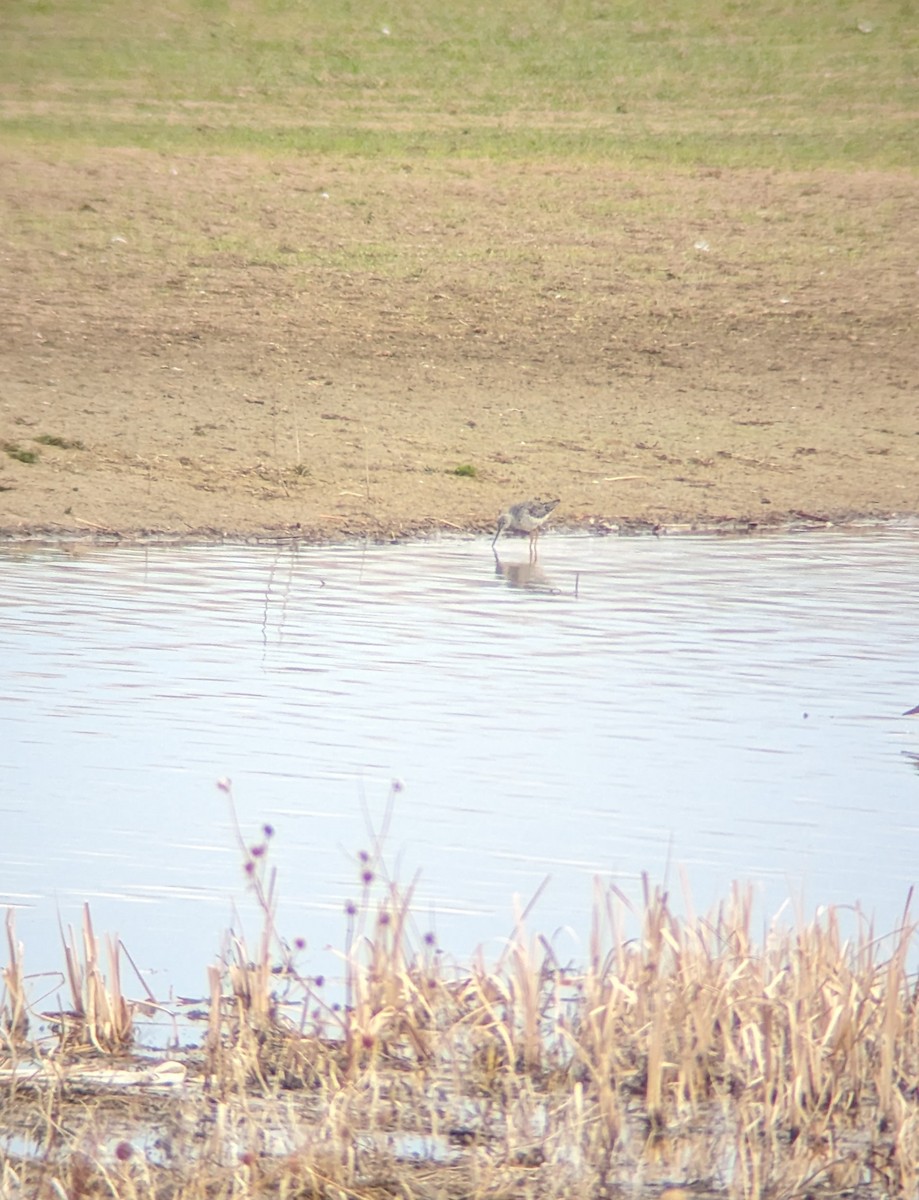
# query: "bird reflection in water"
528,575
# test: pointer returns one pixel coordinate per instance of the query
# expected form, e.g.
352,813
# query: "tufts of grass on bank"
688,1052
736,85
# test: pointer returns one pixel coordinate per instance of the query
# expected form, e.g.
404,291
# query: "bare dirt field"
240,346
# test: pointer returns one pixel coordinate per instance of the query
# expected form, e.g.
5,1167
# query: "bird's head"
503,522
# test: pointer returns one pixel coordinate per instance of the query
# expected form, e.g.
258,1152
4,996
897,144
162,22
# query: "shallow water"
704,709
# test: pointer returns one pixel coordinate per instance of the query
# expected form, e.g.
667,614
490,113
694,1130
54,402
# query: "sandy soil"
245,347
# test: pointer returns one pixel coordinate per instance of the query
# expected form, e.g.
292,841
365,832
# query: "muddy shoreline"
193,350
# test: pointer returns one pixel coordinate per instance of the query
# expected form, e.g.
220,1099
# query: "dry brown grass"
684,1052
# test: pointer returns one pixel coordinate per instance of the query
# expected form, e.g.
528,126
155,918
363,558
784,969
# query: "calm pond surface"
706,709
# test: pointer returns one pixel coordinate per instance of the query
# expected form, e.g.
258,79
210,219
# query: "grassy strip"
788,149
739,84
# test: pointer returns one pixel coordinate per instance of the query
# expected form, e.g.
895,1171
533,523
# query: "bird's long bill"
497,535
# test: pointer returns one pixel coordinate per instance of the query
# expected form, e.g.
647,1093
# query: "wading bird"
526,517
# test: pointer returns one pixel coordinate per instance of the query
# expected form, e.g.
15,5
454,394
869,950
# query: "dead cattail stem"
100,1013
14,1020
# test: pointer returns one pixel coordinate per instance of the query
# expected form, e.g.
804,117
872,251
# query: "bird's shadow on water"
527,576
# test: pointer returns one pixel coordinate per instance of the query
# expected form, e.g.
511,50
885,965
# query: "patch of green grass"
49,439
466,470
722,83
799,142
17,452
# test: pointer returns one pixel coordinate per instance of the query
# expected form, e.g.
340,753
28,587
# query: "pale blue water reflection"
726,707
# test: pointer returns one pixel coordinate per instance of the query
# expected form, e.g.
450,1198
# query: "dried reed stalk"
14,1020
100,1013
